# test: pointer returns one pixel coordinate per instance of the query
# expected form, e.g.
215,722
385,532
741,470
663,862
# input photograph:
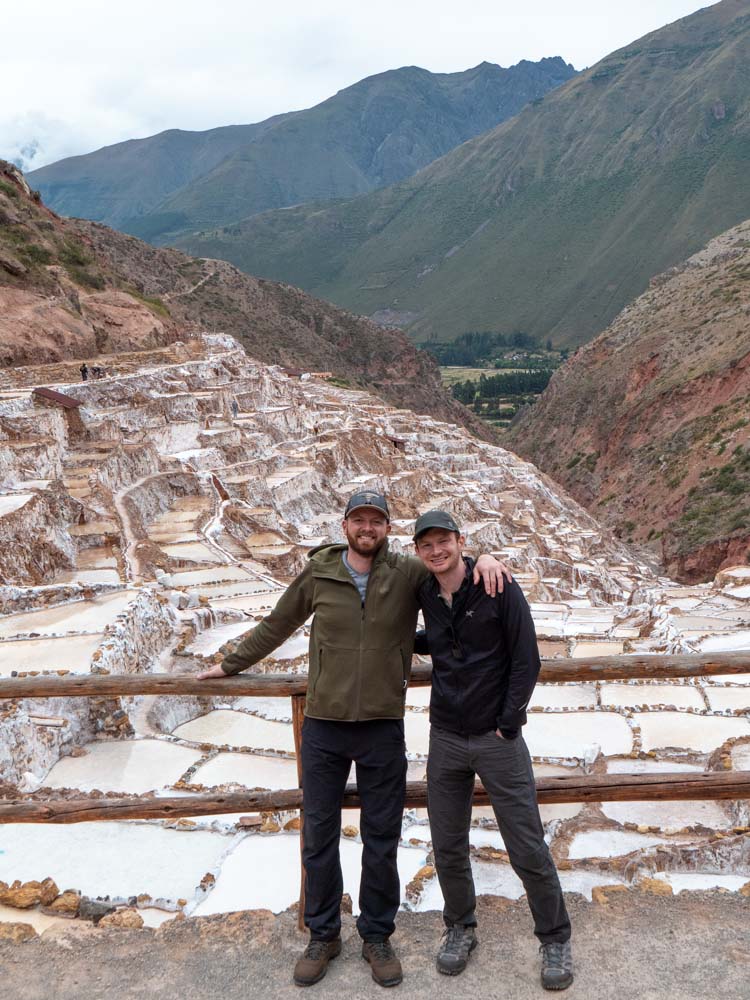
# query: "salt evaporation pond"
610,843
279,709
209,642
689,731
573,734
75,616
70,652
263,872
250,770
115,858
695,881
498,879
563,696
635,695
669,815
225,727
731,699
478,836
129,766
11,502
629,766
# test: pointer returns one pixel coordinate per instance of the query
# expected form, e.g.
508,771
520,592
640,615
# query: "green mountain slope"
550,222
131,178
374,133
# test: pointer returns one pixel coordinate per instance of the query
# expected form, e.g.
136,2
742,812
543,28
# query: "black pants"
504,767
328,749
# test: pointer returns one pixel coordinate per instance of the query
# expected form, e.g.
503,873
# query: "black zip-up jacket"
485,659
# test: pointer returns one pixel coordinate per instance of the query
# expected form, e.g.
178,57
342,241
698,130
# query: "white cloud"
89,74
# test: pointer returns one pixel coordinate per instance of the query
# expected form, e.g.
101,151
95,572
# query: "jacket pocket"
313,683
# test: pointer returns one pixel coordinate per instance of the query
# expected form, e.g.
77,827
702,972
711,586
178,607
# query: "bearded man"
364,599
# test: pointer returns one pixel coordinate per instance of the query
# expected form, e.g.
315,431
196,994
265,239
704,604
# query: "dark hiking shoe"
456,945
386,968
557,965
312,964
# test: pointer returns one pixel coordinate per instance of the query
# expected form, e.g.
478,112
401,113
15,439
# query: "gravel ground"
637,946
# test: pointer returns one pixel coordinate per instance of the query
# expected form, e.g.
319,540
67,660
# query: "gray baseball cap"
367,499
435,519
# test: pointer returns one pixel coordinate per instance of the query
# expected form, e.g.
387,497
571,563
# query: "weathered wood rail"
557,789
603,668
551,790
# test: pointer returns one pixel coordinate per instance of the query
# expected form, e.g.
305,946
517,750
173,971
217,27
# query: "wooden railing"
557,789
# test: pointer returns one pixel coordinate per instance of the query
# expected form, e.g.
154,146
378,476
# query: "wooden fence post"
298,717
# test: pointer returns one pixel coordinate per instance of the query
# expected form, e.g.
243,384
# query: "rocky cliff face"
649,425
71,289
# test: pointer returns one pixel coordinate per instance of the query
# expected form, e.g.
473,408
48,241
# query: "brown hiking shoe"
312,964
386,968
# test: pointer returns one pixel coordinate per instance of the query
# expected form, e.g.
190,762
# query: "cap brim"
367,506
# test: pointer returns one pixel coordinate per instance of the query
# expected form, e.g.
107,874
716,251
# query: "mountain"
131,178
551,222
378,131
73,289
649,424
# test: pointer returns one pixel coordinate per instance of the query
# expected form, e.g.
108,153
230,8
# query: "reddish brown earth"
649,425
73,289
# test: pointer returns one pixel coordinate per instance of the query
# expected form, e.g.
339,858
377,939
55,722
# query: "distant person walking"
84,370
485,663
364,601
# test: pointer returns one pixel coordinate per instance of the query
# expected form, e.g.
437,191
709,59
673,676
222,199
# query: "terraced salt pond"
71,652
214,566
128,766
115,859
80,616
267,869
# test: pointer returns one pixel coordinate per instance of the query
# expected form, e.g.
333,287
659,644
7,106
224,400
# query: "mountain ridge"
554,220
372,133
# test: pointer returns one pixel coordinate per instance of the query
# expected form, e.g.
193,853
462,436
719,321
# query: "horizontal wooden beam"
603,668
550,790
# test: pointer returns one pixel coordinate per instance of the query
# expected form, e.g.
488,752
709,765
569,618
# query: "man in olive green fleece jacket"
364,601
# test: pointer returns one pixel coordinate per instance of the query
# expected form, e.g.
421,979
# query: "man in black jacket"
485,663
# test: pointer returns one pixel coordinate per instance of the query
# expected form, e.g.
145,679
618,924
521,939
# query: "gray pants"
504,767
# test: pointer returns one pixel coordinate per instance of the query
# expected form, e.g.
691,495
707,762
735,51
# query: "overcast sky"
84,74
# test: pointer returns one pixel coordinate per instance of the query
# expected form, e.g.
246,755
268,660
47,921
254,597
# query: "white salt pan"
687,881
65,653
225,727
279,709
574,733
634,695
694,732
610,843
250,770
128,766
263,872
12,502
115,859
78,616
735,699
563,696
649,766
668,815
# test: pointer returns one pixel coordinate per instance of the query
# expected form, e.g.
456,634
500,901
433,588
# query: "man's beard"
372,548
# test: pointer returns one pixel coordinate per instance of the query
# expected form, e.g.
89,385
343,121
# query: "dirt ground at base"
649,947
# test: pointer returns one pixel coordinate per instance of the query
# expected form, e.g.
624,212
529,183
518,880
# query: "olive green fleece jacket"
360,654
